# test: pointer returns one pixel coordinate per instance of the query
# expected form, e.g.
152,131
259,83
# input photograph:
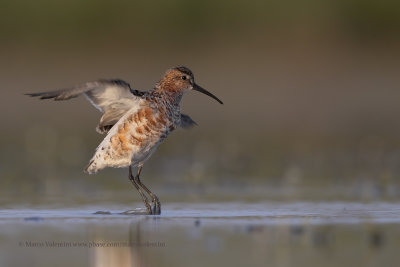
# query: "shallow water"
228,234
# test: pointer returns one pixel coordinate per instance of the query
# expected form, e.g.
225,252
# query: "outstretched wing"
111,97
187,122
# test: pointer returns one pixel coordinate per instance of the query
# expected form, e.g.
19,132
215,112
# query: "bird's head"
179,80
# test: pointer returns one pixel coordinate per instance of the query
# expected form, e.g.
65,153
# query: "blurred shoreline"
311,93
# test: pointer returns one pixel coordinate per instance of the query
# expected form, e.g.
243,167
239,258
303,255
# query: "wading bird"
136,122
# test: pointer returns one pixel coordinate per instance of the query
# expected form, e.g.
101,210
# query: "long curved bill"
204,91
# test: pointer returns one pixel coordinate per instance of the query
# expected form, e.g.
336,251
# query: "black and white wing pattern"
111,97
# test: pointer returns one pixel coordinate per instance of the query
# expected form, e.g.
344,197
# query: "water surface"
228,234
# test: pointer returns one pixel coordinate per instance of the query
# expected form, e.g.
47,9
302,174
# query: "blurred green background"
311,93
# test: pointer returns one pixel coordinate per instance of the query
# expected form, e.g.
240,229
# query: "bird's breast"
141,131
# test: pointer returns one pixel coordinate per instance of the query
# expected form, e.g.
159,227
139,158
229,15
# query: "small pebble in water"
33,219
103,212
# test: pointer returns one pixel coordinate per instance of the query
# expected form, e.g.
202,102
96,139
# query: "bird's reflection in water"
121,249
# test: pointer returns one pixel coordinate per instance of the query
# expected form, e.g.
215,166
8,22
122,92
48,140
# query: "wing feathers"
97,90
109,118
187,122
111,97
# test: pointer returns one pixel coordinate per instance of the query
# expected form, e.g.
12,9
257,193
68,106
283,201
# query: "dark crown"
184,70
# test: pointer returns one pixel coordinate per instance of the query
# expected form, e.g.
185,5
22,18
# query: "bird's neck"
171,98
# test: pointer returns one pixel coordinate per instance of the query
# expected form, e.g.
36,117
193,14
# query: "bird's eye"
183,77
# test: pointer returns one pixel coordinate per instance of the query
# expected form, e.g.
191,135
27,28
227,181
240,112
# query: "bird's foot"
156,206
155,210
137,211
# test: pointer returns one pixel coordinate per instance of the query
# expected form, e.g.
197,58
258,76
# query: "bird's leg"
144,198
156,209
